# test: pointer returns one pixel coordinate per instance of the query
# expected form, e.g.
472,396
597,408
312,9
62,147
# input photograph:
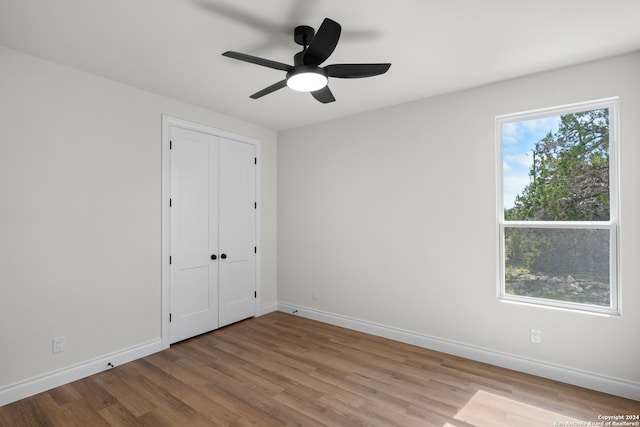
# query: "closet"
212,245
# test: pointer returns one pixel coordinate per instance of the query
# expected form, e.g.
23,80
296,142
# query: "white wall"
80,216
391,215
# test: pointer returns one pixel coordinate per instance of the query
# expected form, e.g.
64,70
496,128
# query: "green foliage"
581,253
570,172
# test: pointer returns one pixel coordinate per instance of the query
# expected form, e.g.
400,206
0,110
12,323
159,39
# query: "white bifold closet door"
213,232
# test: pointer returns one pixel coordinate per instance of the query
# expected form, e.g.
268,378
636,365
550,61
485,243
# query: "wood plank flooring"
280,369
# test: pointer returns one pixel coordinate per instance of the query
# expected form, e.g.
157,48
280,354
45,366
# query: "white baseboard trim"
616,386
267,308
32,386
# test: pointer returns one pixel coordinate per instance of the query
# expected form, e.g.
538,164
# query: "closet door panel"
237,231
194,233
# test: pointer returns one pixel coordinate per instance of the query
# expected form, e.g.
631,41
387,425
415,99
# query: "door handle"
214,257
223,256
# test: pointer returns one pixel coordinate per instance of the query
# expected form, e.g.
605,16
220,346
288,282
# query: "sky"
518,141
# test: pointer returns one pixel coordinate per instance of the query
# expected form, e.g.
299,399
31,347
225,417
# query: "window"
557,219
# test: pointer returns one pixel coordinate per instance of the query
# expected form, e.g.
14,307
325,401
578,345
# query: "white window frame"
612,225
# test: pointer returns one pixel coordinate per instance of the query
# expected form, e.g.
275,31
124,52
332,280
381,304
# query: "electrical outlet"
58,344
314,294
536,336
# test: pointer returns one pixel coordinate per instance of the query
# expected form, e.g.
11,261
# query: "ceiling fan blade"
323,43
267,90
323,95
356,71
259,61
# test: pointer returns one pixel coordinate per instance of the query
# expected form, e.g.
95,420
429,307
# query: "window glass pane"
558,264
557,168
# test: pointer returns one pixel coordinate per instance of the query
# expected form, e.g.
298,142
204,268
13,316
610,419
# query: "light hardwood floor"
280,369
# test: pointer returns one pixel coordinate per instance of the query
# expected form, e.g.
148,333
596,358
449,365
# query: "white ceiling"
173,47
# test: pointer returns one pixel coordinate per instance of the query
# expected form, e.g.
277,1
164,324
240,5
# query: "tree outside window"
558,207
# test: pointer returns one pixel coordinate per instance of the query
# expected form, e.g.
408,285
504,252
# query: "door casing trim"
167,123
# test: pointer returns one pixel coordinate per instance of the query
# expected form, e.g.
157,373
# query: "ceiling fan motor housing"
300,69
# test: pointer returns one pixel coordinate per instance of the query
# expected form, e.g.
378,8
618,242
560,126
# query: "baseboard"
616,386
32,386
267,308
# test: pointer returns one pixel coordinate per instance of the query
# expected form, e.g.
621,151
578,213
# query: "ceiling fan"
306,75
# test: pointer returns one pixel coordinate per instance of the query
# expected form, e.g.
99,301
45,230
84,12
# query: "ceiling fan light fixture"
307,79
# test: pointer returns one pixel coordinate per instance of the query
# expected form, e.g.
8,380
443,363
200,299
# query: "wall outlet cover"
58,344
536,336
